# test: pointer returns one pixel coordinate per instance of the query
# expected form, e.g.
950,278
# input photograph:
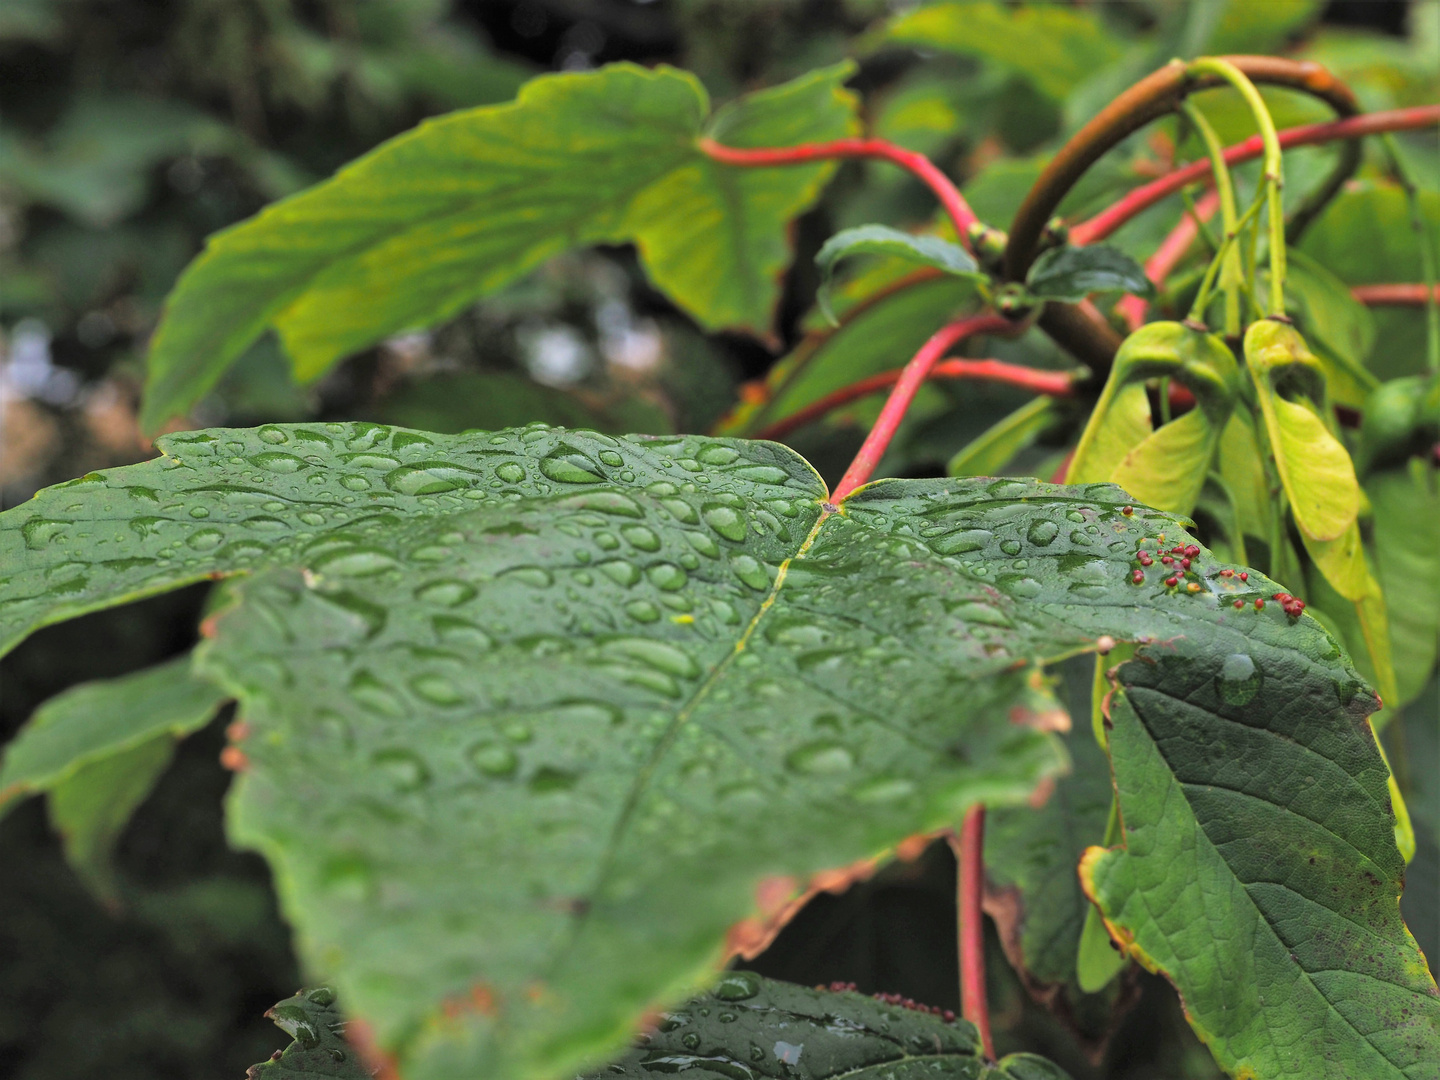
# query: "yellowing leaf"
1316,470
1168,469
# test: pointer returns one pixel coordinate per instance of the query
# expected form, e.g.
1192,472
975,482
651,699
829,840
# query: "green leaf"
1055,48
92,806
749,1027
95,721
312,1019
1406,524
1073,273
1314,466
1167,467
465,204
994,448
881,336
919,249
1258,869
1339,327
533,715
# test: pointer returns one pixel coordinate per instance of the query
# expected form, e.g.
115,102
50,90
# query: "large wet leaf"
744,1028
465,204
1258,868
534,716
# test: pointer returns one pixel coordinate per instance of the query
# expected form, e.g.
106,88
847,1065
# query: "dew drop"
536,577
749,570
39,531
494,759
1011,547
273,435
642,611
657,654
737,986
620,571
356,561
611,458
667,577
404,768
1041,533
437,690
511,472
567,465
1239,679
277,461
641,537
727,521
448,593
821,759
205,539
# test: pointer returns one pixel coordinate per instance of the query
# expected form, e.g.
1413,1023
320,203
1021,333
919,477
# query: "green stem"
1274,175
1207,284
1231,272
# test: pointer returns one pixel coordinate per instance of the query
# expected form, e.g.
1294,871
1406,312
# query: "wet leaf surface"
534,717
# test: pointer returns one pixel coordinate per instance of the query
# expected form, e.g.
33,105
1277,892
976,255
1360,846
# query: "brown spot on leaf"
234,759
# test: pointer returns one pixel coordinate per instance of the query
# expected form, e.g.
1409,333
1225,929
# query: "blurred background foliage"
132,129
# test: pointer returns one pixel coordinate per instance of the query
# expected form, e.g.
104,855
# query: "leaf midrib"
667,738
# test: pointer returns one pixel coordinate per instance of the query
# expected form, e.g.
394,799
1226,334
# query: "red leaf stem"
1393,295
970,893
1171,250
1142,198
910,380
878,149
1054,383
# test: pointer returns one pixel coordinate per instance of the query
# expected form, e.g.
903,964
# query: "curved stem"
910,380
1105,223
1231,272
1052,383
1152,97
956,208
1274,175
970,893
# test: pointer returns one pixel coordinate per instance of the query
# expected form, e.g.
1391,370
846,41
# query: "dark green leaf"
921,250
1258,869
92,806
534,714
465,204
1406,528
320,1047
881,337
1032,891
96,720
1073,273
747,1028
